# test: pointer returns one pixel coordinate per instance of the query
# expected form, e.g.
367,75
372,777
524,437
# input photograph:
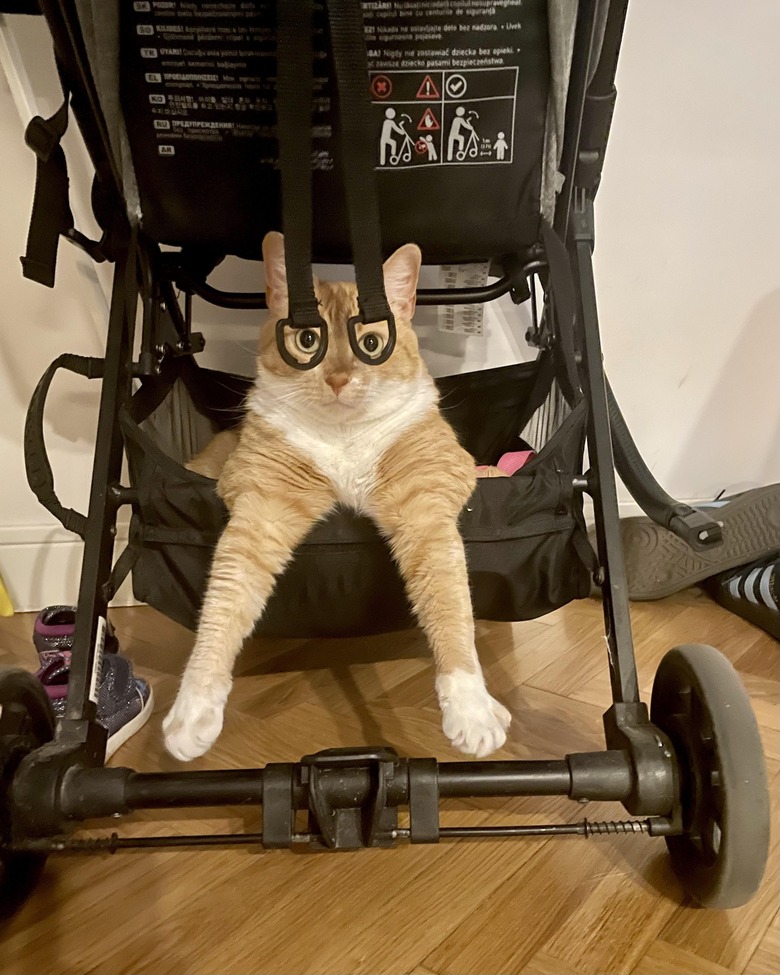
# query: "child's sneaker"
125,701
751,592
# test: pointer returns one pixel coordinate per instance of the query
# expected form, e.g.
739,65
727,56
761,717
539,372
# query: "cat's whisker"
251,349
230,389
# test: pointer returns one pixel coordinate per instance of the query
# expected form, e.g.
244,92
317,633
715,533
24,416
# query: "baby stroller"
204,135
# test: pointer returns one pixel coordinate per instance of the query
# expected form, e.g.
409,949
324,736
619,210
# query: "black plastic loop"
290,359
384,355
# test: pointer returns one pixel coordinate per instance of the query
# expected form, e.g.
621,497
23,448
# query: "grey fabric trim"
562,21
99,21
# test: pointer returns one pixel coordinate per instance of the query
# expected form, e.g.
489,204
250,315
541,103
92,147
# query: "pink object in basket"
514,460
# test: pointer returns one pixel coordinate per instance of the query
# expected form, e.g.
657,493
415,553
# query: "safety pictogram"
429,122
456,86
381,86
444,118
428,89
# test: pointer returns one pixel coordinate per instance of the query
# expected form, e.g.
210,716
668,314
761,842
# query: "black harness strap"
348,43
51,215
295,84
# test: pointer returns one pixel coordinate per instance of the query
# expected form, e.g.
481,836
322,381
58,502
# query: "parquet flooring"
539,906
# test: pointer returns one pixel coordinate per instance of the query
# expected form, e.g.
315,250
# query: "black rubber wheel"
701,704
26,722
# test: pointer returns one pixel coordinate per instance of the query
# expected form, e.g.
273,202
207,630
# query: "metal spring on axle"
615,826
90,844
109,843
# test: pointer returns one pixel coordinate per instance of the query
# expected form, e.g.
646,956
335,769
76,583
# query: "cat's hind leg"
254,548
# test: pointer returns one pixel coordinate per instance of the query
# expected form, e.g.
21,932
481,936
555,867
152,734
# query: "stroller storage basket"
523,533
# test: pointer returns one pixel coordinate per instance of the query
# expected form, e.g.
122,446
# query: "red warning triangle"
428,88
428,123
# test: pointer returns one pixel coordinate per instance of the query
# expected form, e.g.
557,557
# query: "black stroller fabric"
524,534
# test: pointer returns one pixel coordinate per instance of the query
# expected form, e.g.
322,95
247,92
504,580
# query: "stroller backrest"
468,100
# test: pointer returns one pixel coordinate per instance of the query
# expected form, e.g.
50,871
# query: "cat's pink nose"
337,381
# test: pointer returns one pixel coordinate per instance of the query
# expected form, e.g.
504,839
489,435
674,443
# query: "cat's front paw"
474,722
194,722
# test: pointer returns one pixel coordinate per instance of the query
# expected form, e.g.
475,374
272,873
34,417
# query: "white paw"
474,722
194,722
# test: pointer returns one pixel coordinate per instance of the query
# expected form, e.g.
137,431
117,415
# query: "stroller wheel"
26,722
700,703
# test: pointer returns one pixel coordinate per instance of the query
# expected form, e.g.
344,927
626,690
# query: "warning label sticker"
443,78
444,118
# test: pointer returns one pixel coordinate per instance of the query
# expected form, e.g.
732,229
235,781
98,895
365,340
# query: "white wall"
688,241
687,261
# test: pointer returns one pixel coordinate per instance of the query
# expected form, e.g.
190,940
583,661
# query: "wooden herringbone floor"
557,906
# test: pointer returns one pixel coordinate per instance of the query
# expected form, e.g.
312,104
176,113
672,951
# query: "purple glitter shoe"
125,701
53,633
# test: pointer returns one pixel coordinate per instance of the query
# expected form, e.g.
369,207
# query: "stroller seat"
478,131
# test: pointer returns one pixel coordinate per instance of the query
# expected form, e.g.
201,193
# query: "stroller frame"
51,782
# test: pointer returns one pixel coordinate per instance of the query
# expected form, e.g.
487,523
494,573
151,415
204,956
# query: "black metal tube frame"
253,300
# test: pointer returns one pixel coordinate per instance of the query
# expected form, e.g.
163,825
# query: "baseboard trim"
41,564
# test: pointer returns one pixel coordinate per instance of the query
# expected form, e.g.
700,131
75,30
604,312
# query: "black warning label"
209,75
443,78
440,118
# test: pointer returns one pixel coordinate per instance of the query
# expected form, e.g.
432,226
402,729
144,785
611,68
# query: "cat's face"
341,383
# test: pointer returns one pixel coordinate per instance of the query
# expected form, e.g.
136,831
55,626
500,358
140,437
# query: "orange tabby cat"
370,437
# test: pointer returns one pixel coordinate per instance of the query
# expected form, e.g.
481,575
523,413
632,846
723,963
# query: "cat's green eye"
372,344
307,340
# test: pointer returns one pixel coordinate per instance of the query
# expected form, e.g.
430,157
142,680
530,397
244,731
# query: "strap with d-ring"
358,141
294,88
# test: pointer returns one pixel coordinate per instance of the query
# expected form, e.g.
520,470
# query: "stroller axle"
351,795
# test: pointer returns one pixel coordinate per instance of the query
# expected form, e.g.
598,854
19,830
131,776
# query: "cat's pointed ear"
275,273
402,271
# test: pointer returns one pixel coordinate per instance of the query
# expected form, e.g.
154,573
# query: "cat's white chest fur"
347,449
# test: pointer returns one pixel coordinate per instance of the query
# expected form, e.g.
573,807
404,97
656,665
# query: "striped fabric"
757,584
